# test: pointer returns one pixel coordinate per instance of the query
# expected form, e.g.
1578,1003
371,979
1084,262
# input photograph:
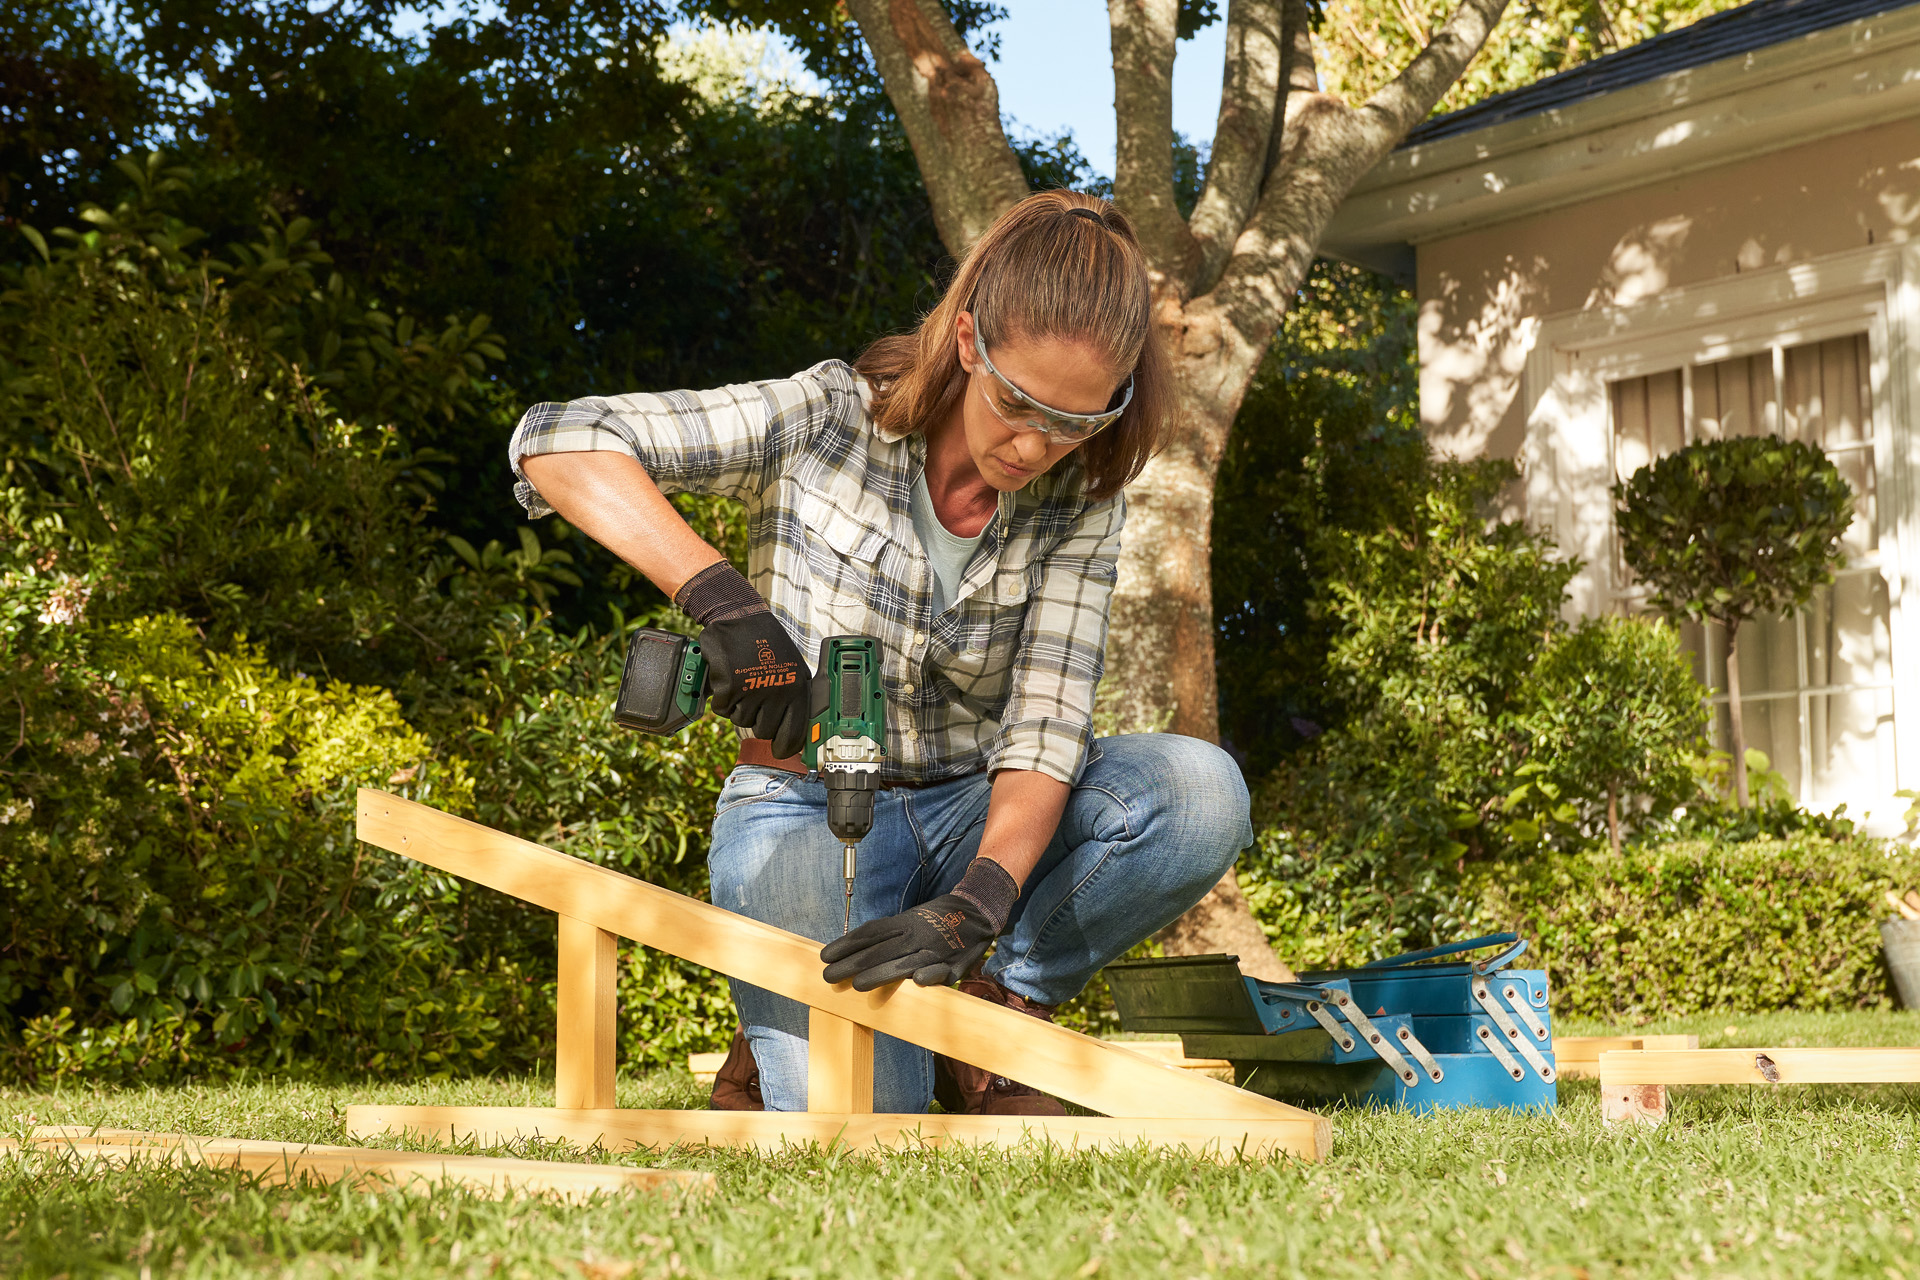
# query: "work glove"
755,673
935,943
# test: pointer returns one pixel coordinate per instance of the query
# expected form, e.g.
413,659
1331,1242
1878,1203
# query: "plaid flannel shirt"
1003,679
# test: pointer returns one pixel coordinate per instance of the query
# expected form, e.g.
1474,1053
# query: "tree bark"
1735,723
1284,157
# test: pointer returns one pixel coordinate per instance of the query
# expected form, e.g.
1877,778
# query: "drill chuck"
850,796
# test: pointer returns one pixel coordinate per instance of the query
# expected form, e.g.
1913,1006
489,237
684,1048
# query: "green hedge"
1693,926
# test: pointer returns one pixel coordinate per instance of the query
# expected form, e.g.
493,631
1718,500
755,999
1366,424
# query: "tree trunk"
1735,722
1160,634
1613,818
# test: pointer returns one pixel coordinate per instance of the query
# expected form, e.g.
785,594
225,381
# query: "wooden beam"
583,1043
1633,1083
1575,1056
285,1162
1075,1067
839,1064
773,1131
1760,1066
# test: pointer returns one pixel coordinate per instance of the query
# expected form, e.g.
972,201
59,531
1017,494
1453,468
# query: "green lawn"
1796,1182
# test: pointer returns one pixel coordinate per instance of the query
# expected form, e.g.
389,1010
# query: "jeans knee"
1189,792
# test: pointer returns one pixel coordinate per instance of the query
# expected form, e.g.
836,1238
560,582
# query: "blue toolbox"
1418,1030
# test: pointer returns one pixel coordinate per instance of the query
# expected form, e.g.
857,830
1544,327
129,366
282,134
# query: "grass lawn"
1801,1182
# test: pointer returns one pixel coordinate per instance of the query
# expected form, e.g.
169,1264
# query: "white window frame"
1568,458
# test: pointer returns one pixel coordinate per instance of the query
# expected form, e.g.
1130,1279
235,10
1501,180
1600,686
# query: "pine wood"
1080,1069
772,1131
584,1045
1738,1066
284,1162
1633,1103
1579,1056
839,1064
1633,1083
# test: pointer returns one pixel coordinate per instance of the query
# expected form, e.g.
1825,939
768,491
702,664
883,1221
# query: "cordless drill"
664,689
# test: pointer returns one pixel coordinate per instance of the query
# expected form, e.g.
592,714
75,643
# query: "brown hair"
1040,271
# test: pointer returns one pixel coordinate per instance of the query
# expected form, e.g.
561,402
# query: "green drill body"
664,689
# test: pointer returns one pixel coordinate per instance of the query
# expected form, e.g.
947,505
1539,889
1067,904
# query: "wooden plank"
584,1031
1745,1066
839,1064
1307,1137
1575,1056
1172,1054
284,1162
705,1066
1075,1067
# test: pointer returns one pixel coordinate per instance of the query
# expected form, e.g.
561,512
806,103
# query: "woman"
956,493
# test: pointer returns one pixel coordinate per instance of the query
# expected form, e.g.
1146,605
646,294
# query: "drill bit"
849,878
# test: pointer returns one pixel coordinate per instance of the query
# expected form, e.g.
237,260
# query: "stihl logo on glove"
771,673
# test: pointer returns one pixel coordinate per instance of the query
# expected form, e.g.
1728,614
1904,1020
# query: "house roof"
1754,25
1770,75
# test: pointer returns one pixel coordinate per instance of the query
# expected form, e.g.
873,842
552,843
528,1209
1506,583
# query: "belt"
759,752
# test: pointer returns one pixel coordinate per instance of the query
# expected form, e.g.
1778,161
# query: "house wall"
1481,294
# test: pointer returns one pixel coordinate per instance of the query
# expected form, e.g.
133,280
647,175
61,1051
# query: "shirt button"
919,637
906,689
913,735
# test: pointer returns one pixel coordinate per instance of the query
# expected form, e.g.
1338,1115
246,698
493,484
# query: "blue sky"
1055,72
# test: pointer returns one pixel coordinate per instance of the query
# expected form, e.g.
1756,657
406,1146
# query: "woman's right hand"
754,670
758,679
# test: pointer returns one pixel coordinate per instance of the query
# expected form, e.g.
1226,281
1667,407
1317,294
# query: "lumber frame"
585,1010
418,1171
1147,1101
1633,1083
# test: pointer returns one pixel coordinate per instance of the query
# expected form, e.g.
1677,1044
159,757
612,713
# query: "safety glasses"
1023,413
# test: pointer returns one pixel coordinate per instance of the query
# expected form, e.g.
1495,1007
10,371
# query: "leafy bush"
1691,926
1726,529
1614,713
187,531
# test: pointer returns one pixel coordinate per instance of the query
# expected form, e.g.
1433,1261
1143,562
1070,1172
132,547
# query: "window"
1817,688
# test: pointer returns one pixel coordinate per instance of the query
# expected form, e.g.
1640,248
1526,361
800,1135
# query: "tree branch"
1325,147
1411,95
1143,45
950,108
1242,139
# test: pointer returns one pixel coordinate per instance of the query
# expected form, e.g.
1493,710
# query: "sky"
1055,72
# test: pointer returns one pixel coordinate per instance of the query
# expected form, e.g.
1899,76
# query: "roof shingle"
1754,25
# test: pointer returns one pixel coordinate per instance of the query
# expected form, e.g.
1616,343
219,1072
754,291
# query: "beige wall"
1477,291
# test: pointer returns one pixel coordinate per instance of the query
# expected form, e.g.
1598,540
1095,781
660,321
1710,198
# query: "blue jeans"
1154,821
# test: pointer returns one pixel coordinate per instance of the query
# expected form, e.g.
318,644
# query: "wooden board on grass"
773,1131
283,1162
1580,1055
1633,1083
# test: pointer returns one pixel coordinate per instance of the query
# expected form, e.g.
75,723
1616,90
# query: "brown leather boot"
736,1085
967,1090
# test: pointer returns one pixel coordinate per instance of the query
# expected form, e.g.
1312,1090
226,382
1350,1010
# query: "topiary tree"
1614,711
1726,529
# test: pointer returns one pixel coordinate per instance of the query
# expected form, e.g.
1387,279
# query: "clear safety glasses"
1023,413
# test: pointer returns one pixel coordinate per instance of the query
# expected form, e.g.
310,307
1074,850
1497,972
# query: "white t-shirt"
947,553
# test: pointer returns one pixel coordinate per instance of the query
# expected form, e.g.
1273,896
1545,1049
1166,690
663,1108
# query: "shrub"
1668,929
1726,529
1614,713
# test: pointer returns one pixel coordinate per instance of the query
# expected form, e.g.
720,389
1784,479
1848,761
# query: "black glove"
935,943
755,672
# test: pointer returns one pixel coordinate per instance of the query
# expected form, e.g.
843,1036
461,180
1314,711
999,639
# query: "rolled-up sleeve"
725,441
1048,721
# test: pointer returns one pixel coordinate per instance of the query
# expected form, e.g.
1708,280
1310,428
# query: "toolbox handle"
1515,947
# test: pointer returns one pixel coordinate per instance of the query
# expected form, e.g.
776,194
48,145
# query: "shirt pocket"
845,541
992,623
